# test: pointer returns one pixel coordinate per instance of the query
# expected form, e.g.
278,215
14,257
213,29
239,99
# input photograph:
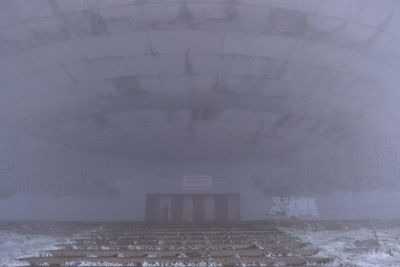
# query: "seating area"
154,245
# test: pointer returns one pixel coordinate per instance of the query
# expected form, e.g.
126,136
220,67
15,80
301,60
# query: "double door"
192,207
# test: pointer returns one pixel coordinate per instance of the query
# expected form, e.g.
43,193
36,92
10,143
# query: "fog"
260,109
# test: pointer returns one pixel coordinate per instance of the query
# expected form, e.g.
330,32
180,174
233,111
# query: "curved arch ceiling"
199,80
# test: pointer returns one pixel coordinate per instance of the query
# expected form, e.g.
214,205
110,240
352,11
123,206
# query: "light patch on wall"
301,207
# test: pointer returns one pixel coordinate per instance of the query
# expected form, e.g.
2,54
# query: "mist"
104,103
199,133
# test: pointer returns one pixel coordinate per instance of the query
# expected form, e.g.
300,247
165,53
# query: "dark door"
192,207
176,208
221,207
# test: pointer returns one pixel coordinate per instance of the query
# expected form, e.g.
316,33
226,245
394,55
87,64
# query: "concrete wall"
348,205
21,162
36,170
135,179
133,182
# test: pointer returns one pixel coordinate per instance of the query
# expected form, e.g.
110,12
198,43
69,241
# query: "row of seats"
180,245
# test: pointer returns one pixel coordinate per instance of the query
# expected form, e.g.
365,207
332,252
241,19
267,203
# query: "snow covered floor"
334,244
14,246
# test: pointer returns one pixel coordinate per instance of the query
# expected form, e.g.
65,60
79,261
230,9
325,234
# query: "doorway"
192,207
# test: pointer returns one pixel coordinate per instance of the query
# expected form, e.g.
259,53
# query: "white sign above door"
196,182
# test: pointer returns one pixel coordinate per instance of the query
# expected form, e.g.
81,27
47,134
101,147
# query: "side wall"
44,181
133,181
56,183
347,205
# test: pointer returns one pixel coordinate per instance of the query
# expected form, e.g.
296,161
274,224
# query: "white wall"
362,205
133,179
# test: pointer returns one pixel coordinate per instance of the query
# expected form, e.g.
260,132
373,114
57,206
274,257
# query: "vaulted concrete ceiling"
197,79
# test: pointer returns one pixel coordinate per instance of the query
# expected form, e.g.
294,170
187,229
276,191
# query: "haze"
199,110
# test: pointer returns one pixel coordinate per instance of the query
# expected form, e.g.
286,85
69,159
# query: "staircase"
181,245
